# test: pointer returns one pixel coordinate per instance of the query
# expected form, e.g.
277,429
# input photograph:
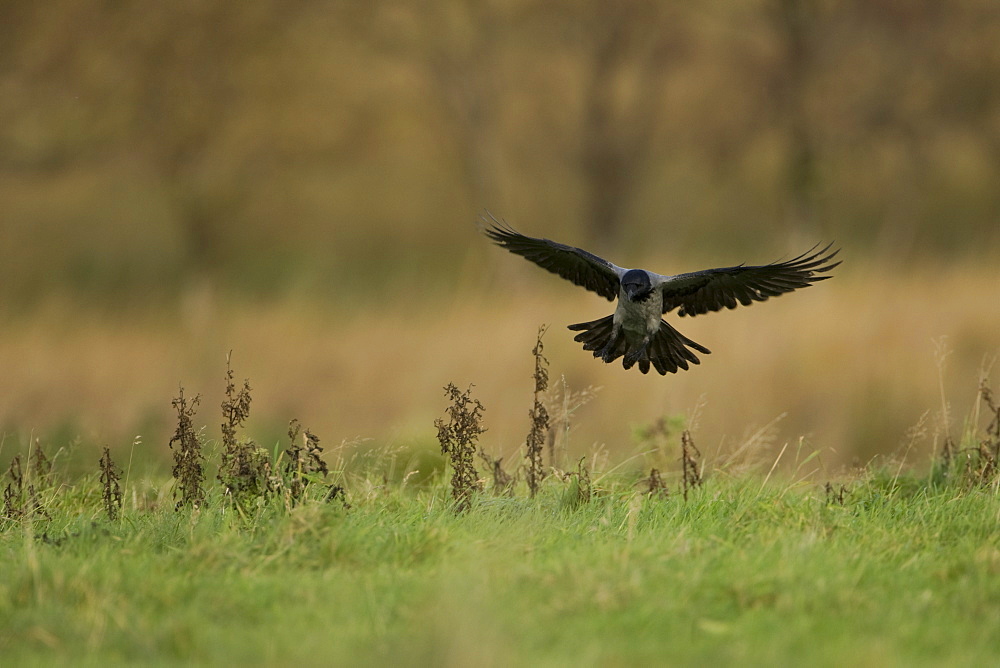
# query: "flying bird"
635,331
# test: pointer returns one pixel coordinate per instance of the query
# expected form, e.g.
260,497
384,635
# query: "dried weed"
304,463
245,469
539,414
458,440
690,463
111,491
188,471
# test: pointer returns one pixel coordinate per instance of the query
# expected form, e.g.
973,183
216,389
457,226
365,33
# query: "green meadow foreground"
886,570
396,556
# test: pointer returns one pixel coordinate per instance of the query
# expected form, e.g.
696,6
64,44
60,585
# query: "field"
895,572
763,564
281,558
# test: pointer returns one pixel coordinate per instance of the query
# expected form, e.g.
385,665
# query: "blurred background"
297,182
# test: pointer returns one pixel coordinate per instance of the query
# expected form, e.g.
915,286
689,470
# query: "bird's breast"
642,316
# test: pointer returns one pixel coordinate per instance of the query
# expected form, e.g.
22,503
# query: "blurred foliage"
145,146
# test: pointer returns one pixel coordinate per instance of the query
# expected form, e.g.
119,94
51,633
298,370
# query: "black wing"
574,264
710,290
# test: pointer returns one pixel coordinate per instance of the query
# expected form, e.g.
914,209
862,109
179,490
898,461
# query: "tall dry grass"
851,364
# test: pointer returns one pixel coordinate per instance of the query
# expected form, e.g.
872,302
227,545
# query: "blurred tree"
257,134
188,63
794,25
454,44
626,50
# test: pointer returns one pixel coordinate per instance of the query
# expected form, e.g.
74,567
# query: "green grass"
743,573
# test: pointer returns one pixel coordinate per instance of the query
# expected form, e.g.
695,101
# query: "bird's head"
636,285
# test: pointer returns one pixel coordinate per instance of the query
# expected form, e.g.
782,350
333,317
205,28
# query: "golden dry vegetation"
851,365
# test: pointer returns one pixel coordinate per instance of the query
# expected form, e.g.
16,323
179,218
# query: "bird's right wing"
574,264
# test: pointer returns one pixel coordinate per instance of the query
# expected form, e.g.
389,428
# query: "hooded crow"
635,331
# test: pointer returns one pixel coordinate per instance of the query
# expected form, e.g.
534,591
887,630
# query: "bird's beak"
632,292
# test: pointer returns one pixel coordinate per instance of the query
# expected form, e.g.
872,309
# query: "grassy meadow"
599,568
360,555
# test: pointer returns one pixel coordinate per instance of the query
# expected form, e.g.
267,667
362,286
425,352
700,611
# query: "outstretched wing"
710,290
574,264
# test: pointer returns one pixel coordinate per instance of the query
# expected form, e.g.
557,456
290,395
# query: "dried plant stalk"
304,461
188,470
111,492
691,467
458,439
655,484
539,415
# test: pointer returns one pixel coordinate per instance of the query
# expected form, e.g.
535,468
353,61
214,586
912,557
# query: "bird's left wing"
711,290
574,264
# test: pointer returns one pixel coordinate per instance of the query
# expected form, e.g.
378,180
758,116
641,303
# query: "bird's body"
636,318
636,331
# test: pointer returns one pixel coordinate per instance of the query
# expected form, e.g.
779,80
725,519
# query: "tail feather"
596,334
668,352
665,358
660,355
674,349
606,320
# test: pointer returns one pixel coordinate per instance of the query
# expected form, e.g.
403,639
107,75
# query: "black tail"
667,352
596,336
